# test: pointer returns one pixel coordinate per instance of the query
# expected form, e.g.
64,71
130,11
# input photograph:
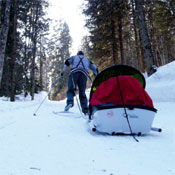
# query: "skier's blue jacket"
82,64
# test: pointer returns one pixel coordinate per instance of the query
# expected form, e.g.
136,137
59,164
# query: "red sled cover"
116,88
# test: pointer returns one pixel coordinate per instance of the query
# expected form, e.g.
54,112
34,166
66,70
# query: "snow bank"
161,85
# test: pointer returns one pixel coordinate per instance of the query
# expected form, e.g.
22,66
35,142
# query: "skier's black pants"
80,80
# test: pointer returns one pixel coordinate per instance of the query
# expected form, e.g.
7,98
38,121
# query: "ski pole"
53,85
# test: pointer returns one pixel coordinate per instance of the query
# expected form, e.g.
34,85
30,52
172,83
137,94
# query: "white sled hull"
114,121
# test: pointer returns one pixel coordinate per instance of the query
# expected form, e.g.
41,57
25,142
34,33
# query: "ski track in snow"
50,144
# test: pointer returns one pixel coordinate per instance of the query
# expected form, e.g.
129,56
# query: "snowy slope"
160,85
49,144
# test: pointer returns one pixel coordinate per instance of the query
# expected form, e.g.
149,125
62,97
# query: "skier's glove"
62,73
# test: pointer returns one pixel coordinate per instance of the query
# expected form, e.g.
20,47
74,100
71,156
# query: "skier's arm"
67,64
94,68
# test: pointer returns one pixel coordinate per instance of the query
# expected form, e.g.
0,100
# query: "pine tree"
62,42
22,44
4,32
138,33
105,22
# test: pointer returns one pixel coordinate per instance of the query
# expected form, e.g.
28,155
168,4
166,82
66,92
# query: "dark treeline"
134,32
33,48
22,24
30,57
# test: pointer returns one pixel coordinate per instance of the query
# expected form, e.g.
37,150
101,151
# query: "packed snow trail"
49,144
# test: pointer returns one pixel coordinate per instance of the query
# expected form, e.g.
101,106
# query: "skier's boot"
68,106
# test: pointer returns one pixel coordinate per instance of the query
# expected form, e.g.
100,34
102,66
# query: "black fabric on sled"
130,107
114,71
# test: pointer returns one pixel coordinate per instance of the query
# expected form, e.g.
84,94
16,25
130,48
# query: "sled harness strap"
76,69
81,61
126,114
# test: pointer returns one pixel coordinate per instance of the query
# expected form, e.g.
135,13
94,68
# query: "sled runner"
119,103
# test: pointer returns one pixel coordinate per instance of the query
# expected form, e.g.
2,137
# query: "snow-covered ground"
50,144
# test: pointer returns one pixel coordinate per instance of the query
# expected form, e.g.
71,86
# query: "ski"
66,114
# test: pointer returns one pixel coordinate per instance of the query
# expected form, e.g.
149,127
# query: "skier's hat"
80,53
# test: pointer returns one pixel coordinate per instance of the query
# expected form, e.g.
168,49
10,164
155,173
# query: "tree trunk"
114,42
0,4
34,40
13,56
120,31
0,14
145,41
163,57
136,36
27,55
33,70
3,36
41,70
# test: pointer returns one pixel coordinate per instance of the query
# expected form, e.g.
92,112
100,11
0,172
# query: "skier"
78,77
